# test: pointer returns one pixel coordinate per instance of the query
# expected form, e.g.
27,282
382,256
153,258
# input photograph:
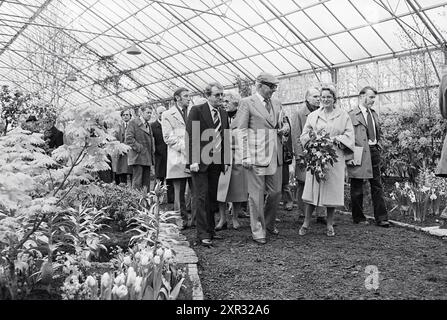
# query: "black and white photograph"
229,155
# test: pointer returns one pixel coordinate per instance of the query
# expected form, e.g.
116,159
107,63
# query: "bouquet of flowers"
319,153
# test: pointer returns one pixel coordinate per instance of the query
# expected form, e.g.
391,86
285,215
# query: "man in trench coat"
367,135
141,157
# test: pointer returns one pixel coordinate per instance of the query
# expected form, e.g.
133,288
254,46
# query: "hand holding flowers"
319,153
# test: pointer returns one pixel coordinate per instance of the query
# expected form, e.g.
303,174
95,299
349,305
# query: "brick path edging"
186,255
433,231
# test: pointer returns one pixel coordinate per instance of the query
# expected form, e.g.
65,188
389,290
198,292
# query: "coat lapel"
359,116
259,106
376,123
143,126
177,115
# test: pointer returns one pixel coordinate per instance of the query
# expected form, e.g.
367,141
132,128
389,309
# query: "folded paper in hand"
358,152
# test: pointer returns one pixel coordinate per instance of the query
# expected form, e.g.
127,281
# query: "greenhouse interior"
70,230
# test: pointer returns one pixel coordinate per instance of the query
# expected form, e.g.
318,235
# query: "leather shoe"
260,241
206,242
384,224
274,232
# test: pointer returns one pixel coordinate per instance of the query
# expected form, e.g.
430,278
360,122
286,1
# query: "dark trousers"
204,200
121,178
380,212
141,177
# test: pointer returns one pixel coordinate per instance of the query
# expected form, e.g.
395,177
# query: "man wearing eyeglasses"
261,126
208,141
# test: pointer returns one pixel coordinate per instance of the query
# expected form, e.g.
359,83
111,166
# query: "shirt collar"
260,97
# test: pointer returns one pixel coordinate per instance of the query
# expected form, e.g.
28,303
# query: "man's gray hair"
232,97
309,90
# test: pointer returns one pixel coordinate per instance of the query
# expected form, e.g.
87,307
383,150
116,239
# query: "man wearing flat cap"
260,126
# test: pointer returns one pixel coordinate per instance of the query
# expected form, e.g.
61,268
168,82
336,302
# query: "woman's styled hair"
330,88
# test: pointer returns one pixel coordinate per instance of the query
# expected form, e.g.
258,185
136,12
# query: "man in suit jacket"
141,157
367,135
261,127
299,119
119,161
173,126
209,154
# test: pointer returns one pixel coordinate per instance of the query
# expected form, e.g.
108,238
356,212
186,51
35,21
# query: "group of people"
232,152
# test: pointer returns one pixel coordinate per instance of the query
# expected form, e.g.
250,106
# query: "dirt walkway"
412,265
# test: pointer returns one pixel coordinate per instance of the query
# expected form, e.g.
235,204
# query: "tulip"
160,252
114,289
157,260
167,254
137,285
121,292
433,197
137,256
106,280
127,260
145,260
120,280
91,282
131,276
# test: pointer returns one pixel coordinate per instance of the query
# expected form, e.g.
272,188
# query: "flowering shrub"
319,153
422,197
34,184
411,141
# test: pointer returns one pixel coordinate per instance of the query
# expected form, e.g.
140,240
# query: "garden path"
412,264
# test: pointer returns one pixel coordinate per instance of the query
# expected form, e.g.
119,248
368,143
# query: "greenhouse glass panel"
351,48
305,26
370,41
324,19
345,12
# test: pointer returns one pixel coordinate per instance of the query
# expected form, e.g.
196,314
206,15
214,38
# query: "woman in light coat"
233,185
330,192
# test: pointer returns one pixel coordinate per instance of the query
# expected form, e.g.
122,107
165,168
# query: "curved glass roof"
44,43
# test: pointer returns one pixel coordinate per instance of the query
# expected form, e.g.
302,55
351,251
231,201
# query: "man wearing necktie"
259,127
209,152
367,134
141,157
173,123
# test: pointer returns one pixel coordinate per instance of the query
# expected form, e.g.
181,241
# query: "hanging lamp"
133,50
71,77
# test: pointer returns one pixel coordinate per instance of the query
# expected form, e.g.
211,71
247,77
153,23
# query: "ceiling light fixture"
133,50
71,77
